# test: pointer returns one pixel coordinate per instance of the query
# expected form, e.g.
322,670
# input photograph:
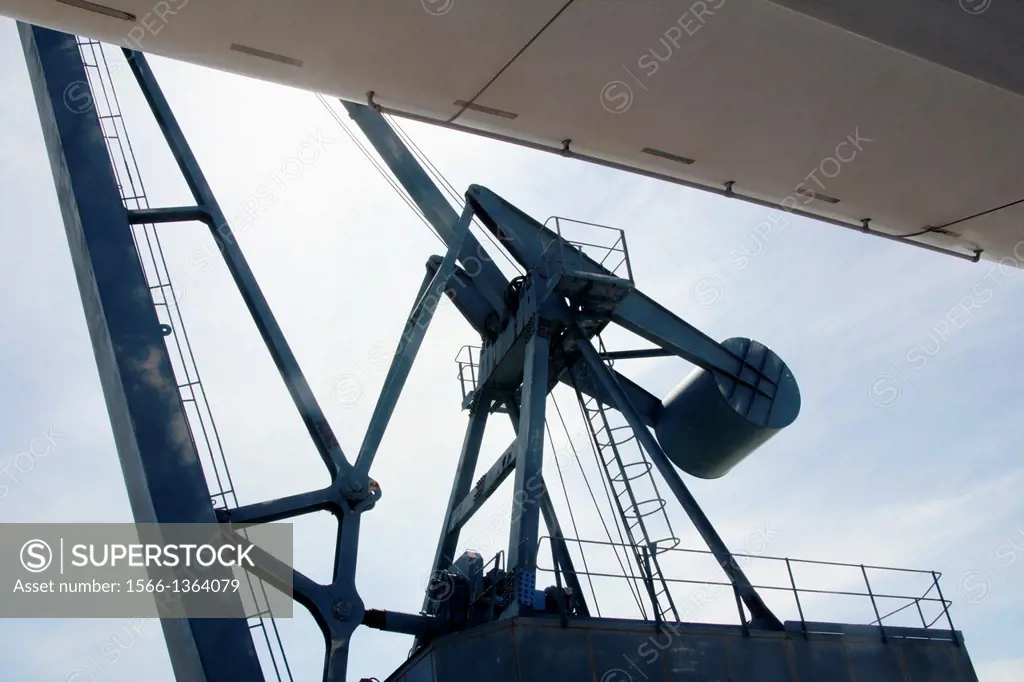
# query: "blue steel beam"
288,366
561,551
563,559
492,479
162,471
489,483
431,202
648,319
171,214
401,365
636,354
760,614
523,534
281,508
532,245
475,309
333,609
447,542
467,298
346,613
578,378
471,502
403,623
427,300
336,607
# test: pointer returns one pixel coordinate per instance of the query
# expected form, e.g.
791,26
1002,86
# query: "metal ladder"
634,492
166,298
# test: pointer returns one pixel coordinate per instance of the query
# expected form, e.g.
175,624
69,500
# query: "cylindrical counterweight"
711,421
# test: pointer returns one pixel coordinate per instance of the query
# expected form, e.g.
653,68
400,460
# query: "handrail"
882,622
604,251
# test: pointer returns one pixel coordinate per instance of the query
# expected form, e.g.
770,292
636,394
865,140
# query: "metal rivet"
342,609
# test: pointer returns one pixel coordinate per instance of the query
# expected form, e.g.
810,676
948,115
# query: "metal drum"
712,420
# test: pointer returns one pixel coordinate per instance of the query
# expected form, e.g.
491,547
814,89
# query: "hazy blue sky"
905,453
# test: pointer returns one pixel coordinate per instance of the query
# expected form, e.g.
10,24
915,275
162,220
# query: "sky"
904,453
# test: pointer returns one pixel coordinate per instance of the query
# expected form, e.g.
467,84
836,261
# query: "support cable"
447,187
624,539
572,516
429,168
377,165
615,546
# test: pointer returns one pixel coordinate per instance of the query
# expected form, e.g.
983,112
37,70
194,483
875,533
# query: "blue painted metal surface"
470,301
711,421
524,537
489,482
759,612
162,472
427,300
553,265
444,554
533,339
336,606
559,547
431,202
448,539
542,649
537,247
142,394
285,361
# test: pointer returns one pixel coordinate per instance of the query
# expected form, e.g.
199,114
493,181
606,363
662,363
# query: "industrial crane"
537,331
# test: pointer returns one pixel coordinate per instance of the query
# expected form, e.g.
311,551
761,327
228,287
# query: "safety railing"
604,245
795,589
166,296
468,360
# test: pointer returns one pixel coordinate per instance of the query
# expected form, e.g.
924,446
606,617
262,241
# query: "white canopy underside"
909,113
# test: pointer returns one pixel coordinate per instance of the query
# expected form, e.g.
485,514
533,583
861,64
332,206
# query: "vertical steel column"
448,540
559,547
162,472
523,536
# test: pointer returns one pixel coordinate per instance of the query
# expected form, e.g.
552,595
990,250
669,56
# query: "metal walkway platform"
538,649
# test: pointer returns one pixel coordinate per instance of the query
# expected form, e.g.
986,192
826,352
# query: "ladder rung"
611,460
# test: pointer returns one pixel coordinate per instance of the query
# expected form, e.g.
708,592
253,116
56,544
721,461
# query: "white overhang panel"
762,96
757,93
423,54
